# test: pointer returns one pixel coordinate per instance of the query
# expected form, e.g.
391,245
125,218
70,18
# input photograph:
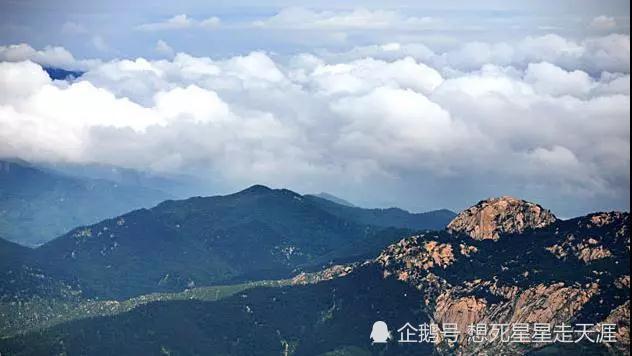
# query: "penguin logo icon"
380,333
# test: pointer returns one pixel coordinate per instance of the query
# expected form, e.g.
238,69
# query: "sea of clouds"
541,116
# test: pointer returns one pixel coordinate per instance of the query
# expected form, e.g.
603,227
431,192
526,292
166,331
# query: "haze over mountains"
179,243
37,205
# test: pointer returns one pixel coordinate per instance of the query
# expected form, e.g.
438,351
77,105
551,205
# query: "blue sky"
111,29
418,104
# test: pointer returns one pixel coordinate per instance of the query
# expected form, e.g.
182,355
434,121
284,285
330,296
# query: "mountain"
22,280
311,319
12,254
559,272
37,205
568,272
333,199
258,233
492,217
62,74
391,217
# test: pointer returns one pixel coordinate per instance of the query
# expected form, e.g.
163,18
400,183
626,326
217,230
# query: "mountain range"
258,233
269,271
390,217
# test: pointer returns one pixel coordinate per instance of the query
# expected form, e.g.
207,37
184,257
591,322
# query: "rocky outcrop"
603,218
324,275
609,236
535,279
463,311
586,251
467,250
560,273
496,216
416,254
621,318
481,301
623,282
550,304
616,222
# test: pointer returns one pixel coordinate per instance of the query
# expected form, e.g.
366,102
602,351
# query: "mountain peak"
257,188
490,218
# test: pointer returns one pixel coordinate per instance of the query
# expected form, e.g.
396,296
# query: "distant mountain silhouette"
178,185
390,217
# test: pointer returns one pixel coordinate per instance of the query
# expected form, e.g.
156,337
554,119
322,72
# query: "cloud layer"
298,18
546,118
180,22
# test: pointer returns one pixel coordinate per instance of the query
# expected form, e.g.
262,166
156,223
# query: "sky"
416,104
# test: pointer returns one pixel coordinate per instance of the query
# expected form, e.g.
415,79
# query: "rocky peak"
495,216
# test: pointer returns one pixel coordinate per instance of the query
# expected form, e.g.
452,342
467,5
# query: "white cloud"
538,121
180,22
556,157
50,56
73,28
364,75
22,78
603,23
173,23
592,55
210,22
299,18
610,84
396,126
547,78
99,44
476,54
490,81
253,67
163,48
608,53
191,102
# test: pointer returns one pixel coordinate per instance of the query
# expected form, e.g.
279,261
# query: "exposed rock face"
623,282
586,252
324,275
615,239
417,254
463,311
561,272
467,250
621,317
490,218
602,219
552,304
616,222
